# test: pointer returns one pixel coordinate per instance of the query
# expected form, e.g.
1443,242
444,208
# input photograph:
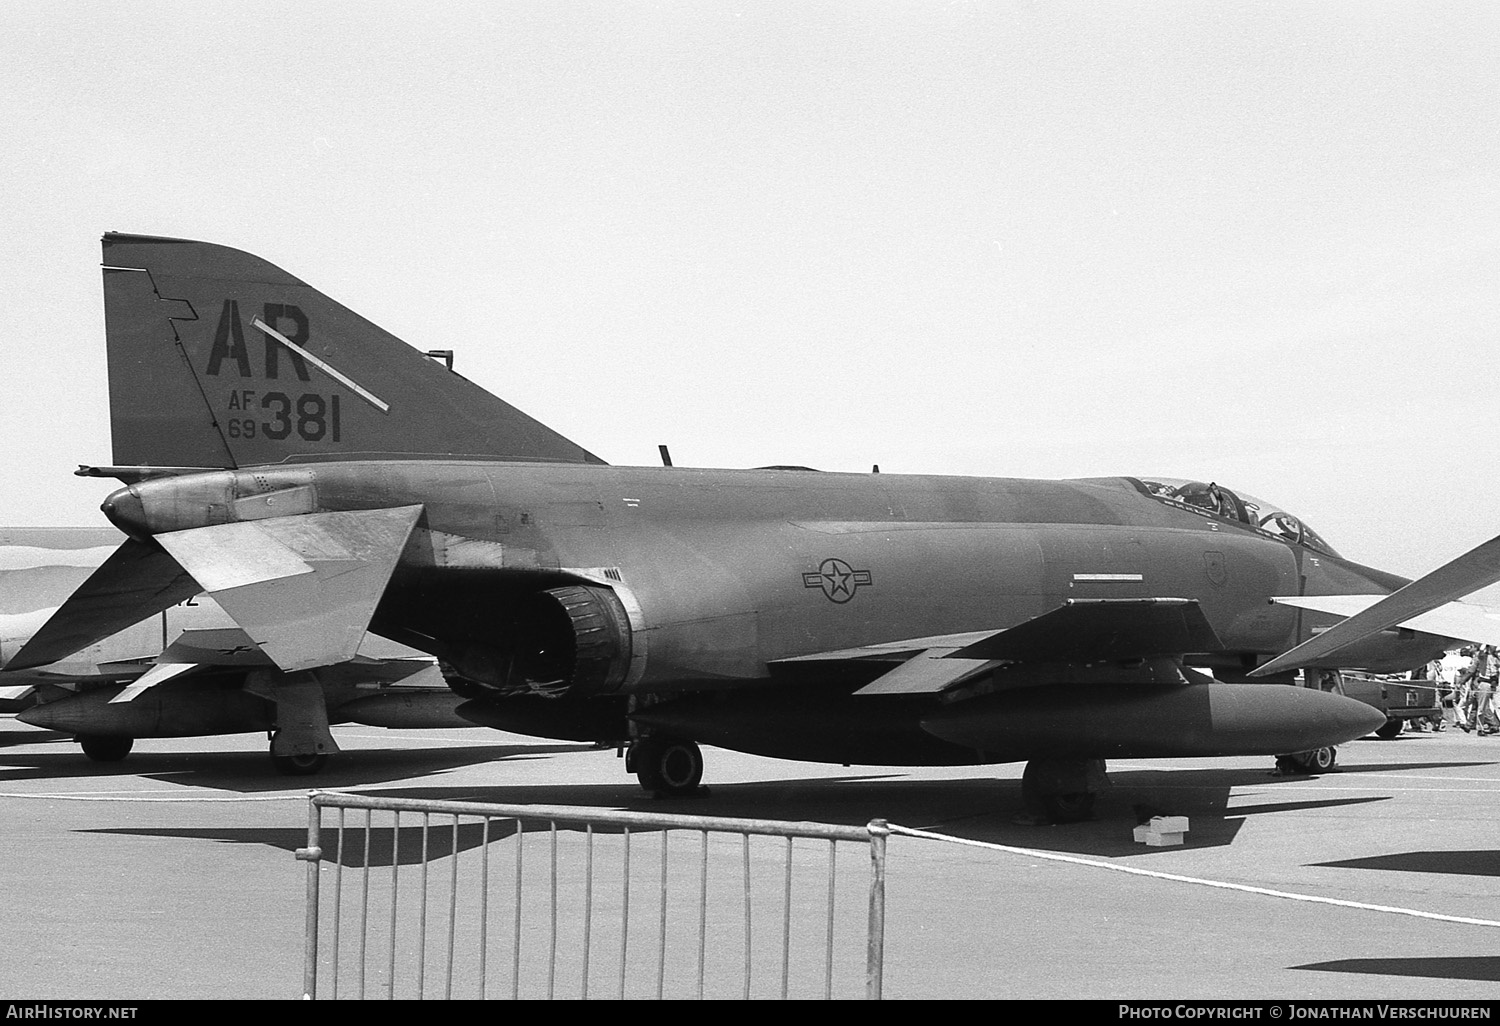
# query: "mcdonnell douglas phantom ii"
319,478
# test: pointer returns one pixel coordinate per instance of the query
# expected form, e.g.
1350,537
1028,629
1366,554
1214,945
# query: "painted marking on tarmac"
1409,777
1221,884
1264,789
446,742
1494,785
123,796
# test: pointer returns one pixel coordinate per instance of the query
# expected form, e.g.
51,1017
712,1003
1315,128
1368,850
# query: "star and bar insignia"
837,579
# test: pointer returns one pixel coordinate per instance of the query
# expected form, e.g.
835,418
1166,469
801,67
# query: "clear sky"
1257,243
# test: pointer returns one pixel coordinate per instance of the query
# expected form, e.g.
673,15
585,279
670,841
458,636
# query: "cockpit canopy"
1212,499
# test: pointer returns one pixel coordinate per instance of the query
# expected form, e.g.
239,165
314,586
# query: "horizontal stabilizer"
228,556
1475,569
303,588
139,580
1094,630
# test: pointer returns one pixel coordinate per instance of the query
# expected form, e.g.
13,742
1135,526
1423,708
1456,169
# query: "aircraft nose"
125,510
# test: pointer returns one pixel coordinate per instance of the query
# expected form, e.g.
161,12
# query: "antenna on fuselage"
666,457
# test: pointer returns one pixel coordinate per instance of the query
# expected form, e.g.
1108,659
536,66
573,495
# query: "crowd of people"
1465,682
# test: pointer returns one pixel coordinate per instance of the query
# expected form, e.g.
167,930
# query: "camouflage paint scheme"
301,465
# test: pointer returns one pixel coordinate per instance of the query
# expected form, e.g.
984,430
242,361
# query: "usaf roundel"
837,580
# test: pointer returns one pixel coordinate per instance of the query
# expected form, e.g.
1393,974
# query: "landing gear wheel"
299,765
667,766
1389,729
1320,760
1317,760
1074,807
1061,790
105,749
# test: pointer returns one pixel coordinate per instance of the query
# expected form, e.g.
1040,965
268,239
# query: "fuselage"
727,571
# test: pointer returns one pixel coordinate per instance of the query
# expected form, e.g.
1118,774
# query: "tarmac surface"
171,874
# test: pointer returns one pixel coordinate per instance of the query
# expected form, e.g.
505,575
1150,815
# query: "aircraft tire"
668,766
1073,807
1316,760
299,765
1055,791
1390,728
1321,760
105,749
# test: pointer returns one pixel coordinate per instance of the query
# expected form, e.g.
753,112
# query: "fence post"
313,856
875,958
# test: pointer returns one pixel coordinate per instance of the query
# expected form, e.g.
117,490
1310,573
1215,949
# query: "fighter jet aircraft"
317,477
187,671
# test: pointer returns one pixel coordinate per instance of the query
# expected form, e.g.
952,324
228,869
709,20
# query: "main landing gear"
300,765
666,766
1061,790
301,741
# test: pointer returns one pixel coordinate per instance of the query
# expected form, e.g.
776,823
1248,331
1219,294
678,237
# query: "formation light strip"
368,397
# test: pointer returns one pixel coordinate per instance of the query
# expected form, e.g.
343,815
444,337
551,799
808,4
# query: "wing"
1462,621
1078,631
1475,569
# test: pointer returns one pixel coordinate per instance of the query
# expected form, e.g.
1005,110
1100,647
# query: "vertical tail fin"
220,359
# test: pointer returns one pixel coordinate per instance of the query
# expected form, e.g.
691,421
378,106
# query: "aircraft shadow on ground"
982,810
1484,968
979,809
252,772
16,738
1482,862
377,848
1398,767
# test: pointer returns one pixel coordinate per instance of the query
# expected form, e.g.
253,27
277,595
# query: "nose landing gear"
1316,760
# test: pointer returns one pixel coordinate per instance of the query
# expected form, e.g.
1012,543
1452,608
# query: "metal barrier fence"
566,916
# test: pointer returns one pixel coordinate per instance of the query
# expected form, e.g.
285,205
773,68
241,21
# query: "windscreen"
1212,499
